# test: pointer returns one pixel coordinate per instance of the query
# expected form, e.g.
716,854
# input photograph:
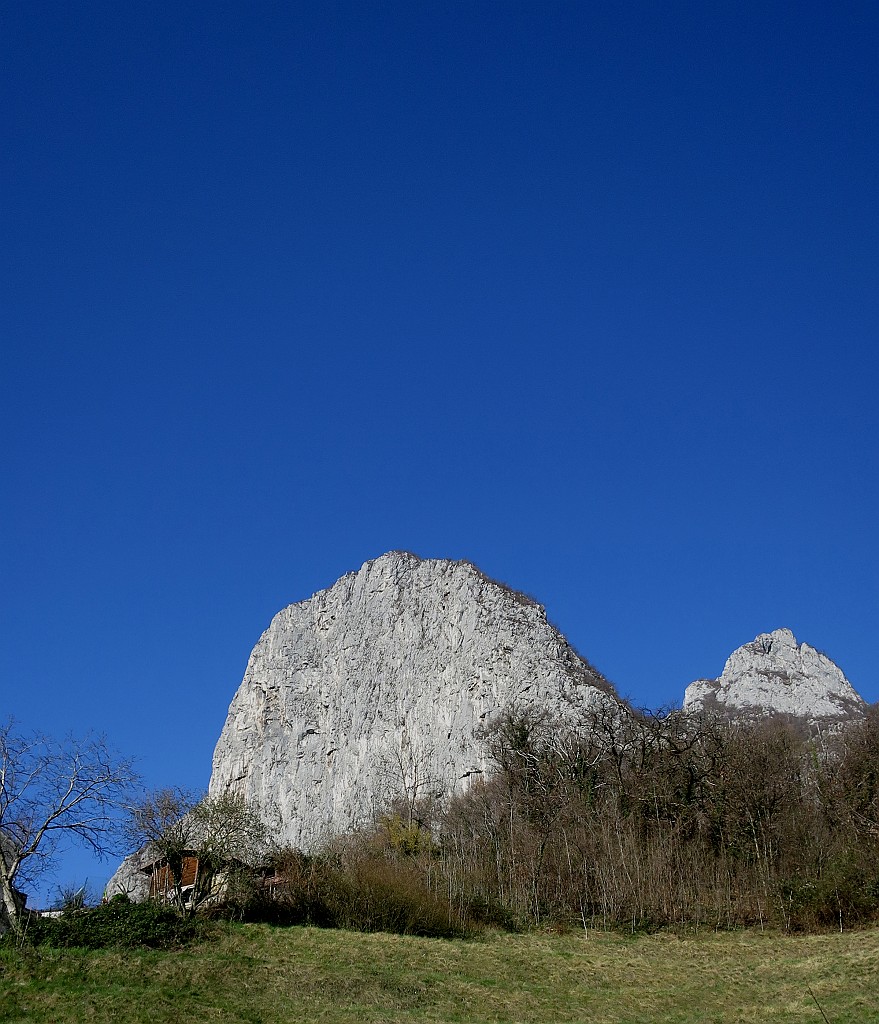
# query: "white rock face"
380,686
129,878
775,674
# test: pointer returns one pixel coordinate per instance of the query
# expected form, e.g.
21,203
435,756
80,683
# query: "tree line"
667,819
633,819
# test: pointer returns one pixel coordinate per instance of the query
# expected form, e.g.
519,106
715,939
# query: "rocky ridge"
773,674
381,687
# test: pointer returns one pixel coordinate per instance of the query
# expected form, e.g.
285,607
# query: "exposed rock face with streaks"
775,674
380,687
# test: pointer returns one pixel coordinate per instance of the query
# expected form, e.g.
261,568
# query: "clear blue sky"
585,293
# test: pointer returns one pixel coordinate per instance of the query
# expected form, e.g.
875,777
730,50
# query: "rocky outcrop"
130,878
776,675
381,687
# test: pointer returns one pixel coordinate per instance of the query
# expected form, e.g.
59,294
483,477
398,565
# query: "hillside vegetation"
657,868
653,821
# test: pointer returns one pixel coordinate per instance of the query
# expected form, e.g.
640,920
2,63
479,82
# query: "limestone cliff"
129,878
380,687
775,674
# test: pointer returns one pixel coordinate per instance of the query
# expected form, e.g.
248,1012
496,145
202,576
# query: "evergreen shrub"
116,923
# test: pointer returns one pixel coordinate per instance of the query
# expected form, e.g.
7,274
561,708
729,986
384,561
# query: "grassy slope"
259,974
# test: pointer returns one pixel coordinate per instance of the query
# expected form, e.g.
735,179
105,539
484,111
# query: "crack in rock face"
776,675
381,687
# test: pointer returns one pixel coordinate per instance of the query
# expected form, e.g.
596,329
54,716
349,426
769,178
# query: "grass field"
262,975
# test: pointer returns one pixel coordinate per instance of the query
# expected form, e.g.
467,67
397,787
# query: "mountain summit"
773,674
381,688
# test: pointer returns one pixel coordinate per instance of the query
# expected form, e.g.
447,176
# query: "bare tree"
162,825
407,785
855,786
214,832
54,792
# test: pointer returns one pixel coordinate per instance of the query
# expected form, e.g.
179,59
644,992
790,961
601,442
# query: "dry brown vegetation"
648,821
634,821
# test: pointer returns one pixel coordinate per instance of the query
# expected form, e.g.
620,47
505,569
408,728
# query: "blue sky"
584,293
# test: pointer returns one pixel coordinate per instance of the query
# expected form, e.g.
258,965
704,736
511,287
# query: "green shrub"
406,839
843,895
117,923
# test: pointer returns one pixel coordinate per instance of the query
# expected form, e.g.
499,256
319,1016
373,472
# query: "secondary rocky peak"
382,686
774,674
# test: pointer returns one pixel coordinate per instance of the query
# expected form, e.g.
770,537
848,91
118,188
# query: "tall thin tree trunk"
10,904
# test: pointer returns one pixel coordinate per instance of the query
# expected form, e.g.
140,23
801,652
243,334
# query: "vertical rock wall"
381,686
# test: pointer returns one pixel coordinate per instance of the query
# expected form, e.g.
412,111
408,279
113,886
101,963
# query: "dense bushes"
360,884
638,821
117,923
